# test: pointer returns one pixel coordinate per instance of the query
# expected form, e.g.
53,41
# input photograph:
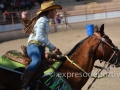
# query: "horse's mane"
75,47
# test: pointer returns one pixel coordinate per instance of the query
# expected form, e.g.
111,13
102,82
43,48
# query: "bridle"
114,57
113,60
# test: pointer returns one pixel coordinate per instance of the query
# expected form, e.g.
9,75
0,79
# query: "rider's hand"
57,51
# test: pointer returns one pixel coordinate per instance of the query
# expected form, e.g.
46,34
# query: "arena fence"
80,12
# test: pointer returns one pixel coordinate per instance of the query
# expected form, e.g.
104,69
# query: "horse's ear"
102,29
96,29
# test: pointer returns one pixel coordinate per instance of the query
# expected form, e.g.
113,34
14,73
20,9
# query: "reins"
72,62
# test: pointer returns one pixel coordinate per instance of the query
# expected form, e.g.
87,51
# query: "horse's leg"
9,80
2,87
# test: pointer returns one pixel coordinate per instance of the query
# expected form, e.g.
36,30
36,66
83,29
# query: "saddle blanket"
55,82
7,63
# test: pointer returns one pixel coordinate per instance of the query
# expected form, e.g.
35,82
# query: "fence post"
105,11
31,15
86,12
4,18
55,27
12,21
65,14
93,9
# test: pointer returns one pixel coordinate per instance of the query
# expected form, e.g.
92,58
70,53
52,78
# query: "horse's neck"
85,55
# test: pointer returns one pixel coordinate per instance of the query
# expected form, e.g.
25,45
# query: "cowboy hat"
48,5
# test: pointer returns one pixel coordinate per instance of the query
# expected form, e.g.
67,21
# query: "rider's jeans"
36,53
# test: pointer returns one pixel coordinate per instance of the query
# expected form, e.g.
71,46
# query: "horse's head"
106,51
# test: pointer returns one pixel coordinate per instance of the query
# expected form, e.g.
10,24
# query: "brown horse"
84,54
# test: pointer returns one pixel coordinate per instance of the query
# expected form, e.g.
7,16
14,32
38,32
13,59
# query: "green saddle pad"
51,70
7,63
55,82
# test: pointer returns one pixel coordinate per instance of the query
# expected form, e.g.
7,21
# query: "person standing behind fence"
22,4
23,14
6,16
28,4
2,7
58,18
18,5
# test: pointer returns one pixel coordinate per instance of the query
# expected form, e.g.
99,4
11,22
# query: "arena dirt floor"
65,40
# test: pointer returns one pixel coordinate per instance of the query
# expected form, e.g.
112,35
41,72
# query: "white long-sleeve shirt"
41,31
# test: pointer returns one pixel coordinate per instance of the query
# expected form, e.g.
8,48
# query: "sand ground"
65,40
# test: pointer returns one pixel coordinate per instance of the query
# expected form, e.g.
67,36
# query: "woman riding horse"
38,28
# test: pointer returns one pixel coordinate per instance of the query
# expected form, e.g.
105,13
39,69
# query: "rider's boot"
26,77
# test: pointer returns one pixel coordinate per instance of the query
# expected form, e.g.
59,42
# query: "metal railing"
67,12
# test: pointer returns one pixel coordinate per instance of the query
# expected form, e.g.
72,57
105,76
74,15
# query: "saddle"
18,56
24,59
